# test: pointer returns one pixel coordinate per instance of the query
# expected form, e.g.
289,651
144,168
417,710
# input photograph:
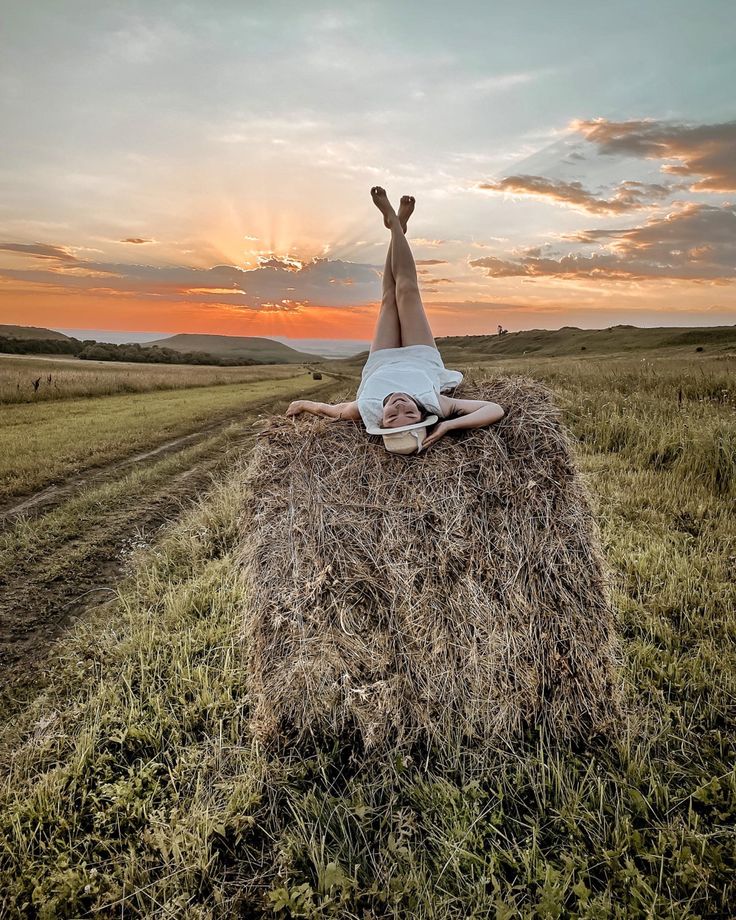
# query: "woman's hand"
439,431
297,407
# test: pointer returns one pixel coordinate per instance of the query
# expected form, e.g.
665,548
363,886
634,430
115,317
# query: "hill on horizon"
31,332
571,340
235,346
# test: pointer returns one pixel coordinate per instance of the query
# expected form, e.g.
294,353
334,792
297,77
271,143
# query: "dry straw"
453,598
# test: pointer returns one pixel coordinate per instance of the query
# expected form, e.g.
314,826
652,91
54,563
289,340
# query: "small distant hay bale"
454,598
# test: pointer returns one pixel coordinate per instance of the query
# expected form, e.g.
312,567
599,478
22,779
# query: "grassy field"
132,787
615,340
570,341
658,413
66,377
46,442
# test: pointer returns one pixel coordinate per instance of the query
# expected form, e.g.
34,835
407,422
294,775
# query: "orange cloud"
702,150
40,251
694,243
121,312
627,196
276,283
643,305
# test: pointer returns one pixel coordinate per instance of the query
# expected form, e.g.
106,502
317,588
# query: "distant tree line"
42,346
154,354
90,350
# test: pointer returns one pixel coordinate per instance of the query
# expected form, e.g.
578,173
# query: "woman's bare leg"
387,333
415,328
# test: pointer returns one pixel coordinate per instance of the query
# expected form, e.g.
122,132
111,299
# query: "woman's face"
400,409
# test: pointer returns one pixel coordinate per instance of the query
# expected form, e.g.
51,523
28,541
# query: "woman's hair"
423,410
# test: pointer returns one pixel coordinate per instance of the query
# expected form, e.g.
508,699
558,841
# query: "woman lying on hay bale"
445,604
401,390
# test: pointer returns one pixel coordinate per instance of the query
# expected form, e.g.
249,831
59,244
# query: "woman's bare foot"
406,209
380,200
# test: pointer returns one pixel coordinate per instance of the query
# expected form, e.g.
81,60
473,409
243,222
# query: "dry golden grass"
62,378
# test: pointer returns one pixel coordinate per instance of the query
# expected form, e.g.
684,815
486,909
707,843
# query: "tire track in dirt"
44,592
55,494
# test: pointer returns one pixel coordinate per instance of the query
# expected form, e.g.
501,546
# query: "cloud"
627,196
481,316
431,261
272,129
695,242
135,239
500,82
287,265
143,41
40,251
277,282
446,88
699,150
480,244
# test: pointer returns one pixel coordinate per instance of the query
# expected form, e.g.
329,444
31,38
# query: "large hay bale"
451,597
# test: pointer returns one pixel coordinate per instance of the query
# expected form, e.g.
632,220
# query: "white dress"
414,369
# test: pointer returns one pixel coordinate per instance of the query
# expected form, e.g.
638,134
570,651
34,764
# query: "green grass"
46,442
569,340
135,789
58,554
676,414
65,377
32,539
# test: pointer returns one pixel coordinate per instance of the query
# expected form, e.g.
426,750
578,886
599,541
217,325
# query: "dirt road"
70,543
52,496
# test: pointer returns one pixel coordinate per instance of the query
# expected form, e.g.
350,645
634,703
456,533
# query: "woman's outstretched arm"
468,413
473,413
345,410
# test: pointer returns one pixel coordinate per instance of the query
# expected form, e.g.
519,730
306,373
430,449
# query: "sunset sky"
206,167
